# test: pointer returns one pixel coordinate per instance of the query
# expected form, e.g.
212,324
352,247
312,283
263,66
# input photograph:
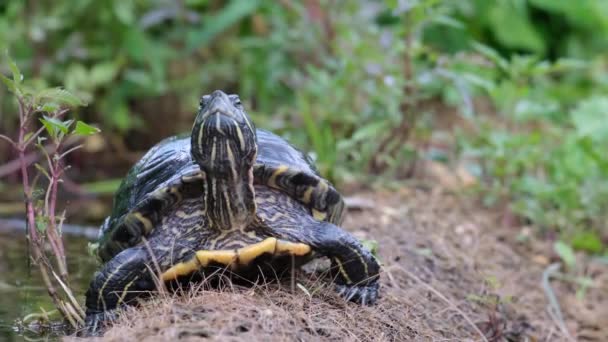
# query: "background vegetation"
510,92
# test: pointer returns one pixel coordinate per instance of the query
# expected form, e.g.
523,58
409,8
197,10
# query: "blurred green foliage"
365,85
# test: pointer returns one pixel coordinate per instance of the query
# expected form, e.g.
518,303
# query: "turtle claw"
360,294
95,324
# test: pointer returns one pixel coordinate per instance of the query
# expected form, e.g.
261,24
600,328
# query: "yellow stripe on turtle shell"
174,190
272,181
292,248
319,215
144,220
307,194
233,258
193,177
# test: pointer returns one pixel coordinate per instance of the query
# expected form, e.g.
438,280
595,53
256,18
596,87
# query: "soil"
451,271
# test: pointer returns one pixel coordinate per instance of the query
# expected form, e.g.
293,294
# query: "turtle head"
223,137
224,145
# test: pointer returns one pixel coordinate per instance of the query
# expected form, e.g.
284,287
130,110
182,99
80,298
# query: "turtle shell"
169,160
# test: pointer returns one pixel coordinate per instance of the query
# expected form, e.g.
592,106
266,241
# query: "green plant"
546,160
49,106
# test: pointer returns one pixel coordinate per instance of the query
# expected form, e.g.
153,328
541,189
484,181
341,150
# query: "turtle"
144,194
229,197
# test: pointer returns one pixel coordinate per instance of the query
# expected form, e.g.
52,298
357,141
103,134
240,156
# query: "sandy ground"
451,272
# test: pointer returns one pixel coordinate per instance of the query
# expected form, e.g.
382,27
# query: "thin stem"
29,207
56,242
70,151
34,136
35,240
8,140
30,157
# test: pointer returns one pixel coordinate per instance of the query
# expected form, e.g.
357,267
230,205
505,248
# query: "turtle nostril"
218,94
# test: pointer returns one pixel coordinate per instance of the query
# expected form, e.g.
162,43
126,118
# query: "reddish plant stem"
57,242
29,206
34,239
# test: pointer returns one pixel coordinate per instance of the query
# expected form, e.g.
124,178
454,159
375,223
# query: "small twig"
8,140
33,137
68,292
70,151
55,170
553,308
156,272
67,314
15,165
16,225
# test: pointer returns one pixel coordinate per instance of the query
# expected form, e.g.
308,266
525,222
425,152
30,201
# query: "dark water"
21,289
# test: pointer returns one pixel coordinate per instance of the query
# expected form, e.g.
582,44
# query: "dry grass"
451,272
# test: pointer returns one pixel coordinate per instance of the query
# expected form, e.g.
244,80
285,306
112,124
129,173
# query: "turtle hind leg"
362,294
354,268
236,258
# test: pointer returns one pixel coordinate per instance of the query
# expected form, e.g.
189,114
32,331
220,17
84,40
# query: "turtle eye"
235,99
204,100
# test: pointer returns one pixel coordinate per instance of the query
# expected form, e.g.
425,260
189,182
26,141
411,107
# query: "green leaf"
42,170
27,136
565,252
103,73
12,86
590,118
17,76
50,107
216,24
124,11
60,96
41,223
588,242
367,132
448,21
55,126
512,27
371,245
85,129
92,248
491,54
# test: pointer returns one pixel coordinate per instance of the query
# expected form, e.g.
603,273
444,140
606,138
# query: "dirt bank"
451,271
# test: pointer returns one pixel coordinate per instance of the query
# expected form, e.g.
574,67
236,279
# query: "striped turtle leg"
354,268
121,280
130,275
233,259
318,194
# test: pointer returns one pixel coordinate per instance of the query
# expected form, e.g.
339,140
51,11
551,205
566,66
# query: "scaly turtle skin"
200,216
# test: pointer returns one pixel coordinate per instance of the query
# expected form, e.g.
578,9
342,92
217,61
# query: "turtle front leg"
318,194
123,279
140,222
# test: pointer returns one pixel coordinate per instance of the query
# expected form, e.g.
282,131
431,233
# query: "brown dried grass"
451,273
